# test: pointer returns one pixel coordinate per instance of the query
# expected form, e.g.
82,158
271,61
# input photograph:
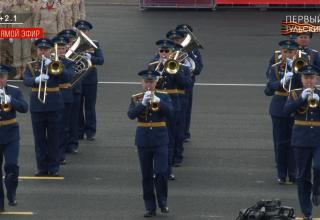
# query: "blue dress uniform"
277,55
306,144
10,139
87,121
46,117
169,83
281,121
67,96
152,141
73,141
195,55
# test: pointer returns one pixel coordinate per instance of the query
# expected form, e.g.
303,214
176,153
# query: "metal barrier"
198,4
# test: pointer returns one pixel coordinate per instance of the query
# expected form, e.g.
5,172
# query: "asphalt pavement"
229,163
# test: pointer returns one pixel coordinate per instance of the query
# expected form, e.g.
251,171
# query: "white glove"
146,98
47,61
315,96
43,77
88,56
156,99
286,77
7,99
289,62
1,91
11,40
305,94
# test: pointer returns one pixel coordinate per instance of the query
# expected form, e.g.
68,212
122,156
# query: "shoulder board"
12,86
162,92
137,95
277,51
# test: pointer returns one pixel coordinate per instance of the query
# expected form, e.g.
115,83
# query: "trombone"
299,61
55,67
42,98
4,105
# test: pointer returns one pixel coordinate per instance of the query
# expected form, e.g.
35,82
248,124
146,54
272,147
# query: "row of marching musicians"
292,75
163,112
63,83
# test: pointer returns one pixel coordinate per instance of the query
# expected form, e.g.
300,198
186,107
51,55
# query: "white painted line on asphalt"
211,216
198,84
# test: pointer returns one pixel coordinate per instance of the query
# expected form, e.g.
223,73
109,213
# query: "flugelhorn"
4,105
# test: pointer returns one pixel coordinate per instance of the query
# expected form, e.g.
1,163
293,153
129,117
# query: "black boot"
150,214
11,182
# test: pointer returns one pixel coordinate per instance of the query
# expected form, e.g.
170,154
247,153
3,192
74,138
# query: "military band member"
304,104
170,83
11,101
152,141
282,122
304,40
46,110
88,122
67,96
278,55
195,55
73,142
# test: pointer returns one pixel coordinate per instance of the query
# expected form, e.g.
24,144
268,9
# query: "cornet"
154,106
4,106
312,102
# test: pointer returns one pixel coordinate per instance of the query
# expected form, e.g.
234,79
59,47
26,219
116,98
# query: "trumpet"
4,105
55,67
312,102
42,98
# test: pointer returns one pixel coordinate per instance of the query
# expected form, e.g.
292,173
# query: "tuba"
4,106
76,54
191,42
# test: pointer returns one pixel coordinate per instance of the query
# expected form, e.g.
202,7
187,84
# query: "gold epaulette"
293,93
137,96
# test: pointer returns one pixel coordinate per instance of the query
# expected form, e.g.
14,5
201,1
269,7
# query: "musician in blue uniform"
185,96
278,55
282,122
11,101
46,107
304,104
67,96
73,141
195,55
169,83
152,109
88,123
304,40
